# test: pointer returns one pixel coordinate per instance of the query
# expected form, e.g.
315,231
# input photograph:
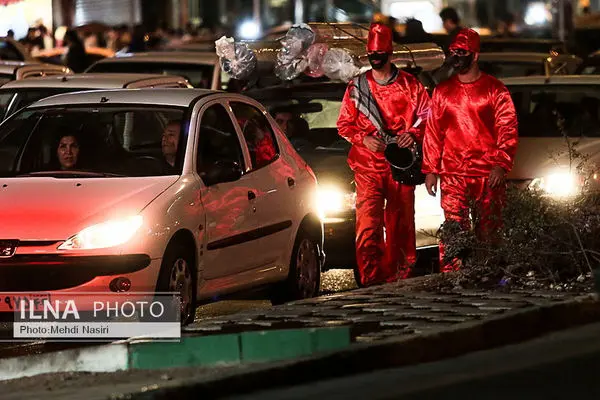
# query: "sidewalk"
390,326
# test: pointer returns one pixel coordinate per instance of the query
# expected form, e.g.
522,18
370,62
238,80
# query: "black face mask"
378,60
462,63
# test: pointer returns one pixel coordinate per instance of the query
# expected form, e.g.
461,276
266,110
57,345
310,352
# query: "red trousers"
383,202
463,196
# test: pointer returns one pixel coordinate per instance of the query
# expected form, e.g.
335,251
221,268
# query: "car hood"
36,208
538,157
331,168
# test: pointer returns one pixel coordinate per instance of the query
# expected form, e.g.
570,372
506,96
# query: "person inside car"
67,154
170,142
283,117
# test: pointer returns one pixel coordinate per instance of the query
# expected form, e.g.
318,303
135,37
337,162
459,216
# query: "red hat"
380,38
466,39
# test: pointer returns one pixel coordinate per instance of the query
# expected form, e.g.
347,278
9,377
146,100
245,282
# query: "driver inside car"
170,142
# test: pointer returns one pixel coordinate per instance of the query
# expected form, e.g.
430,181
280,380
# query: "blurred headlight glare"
331,200
558,184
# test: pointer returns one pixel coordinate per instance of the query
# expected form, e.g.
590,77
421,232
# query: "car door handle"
291,182
251,195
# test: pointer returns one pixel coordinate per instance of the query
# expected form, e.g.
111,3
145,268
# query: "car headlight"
559,184
103,235
332,200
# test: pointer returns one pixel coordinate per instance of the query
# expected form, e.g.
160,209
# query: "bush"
544,243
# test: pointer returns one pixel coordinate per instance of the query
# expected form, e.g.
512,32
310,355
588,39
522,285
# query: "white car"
511,64
201,69
193,191
554,114
18,94
17,70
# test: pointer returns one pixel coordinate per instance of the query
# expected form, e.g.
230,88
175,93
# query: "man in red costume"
470,142
381,201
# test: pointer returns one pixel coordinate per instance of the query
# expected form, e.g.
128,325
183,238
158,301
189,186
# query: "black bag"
410,174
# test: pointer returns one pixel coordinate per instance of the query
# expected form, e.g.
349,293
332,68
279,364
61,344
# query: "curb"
201,351
360,358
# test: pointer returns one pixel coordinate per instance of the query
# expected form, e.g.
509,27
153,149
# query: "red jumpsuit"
471,128
380,200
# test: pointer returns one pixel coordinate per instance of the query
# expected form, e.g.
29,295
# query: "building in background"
19,15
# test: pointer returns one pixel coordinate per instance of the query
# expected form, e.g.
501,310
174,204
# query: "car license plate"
11,302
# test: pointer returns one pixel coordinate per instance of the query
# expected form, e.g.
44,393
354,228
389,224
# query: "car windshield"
557,110
507,69
12,100
93,142
199,75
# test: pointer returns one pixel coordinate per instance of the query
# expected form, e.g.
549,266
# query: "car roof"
553,80
87,81
180,57
159,96
515,56
9,67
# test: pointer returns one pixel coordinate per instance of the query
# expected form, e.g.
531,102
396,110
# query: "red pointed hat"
380,38
466,39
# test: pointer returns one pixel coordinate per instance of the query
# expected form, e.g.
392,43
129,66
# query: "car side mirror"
222,172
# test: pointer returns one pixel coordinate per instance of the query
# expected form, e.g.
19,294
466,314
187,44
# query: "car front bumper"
70,277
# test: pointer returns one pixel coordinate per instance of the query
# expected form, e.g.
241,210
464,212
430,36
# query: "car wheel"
304,277
177,275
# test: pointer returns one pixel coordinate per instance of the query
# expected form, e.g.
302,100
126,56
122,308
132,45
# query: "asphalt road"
562,365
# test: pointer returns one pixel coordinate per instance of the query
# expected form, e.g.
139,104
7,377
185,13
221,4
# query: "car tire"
304,276
177,274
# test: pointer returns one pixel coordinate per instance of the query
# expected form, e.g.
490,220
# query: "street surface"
562,365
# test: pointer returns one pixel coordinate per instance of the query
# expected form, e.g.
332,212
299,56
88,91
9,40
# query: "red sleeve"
506,127
433,139
346,123
422,110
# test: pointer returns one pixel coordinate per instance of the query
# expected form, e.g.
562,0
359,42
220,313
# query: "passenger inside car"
170,141
66,154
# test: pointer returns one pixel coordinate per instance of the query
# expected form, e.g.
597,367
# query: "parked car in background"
188,191
17,70
200,69
559,128
510,64
546,46
18,94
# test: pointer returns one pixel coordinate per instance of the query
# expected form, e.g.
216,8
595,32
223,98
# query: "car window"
199,75
510,69
558,110
12,141
22,98
111,140
218,140
258,134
